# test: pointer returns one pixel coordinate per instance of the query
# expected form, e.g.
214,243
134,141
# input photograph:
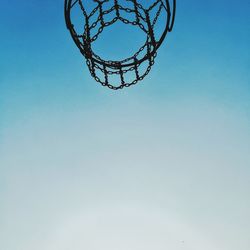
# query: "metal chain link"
146,53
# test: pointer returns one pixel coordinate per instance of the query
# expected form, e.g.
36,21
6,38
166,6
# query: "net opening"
105,13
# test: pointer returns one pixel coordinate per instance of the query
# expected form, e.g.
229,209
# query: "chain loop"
136,67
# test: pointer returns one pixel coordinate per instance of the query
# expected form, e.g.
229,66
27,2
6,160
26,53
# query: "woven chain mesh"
96,15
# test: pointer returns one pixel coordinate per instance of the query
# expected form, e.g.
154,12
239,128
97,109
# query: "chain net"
96,15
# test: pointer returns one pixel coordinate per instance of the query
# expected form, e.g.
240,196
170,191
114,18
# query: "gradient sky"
162,165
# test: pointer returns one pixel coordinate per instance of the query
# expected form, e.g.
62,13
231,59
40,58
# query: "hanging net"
87,19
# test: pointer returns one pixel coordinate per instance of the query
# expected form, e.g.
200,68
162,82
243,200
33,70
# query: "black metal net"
96,15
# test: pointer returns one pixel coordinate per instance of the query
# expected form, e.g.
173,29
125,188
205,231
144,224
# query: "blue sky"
164,164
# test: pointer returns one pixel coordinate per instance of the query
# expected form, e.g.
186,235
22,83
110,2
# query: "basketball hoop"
104,13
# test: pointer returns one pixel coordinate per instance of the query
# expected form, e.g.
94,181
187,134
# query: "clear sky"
162,165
